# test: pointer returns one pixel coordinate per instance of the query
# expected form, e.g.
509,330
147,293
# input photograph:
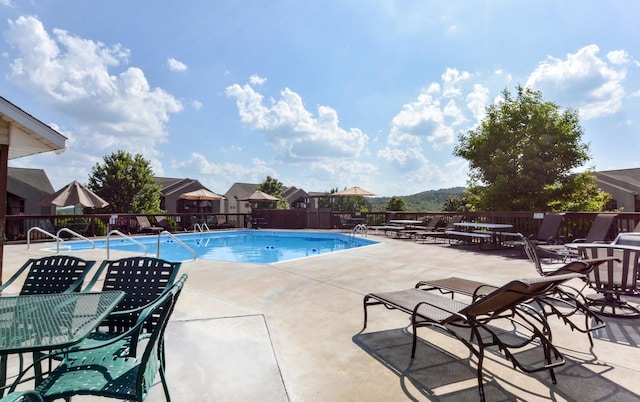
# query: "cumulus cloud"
257,80
175,65
292,130
584,80
430,120
73,74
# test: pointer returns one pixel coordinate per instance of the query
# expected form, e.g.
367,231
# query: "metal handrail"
72,233
180,242
200,228
41,231
119,233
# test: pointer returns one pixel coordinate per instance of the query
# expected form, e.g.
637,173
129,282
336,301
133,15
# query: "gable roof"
36,178
624,179
27,135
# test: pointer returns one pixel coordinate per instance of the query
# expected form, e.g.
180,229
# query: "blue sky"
318,94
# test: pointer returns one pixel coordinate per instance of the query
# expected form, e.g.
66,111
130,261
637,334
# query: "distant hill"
429,201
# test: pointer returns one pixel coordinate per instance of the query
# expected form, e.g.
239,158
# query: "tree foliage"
275,188
396,203
343,204
126,183
523,154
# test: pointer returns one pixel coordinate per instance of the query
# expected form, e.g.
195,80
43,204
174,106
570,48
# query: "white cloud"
175,65
197,105
618,57
584,81
451,80
292,130
72,74
257,80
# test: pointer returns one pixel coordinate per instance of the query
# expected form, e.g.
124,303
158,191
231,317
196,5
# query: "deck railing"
575,224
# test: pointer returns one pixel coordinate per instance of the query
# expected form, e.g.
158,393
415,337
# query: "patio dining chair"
123,367
473,323
51,274
22,396
143,279
614,281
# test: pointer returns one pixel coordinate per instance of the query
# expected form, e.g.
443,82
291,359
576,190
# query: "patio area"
291,332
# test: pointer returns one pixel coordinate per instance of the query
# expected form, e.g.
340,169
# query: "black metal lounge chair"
548,231
471,323
146,227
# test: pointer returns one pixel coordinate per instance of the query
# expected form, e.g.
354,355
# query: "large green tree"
126,182
275,188
396,203
523,155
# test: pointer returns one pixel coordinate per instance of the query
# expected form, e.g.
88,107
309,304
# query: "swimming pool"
257,246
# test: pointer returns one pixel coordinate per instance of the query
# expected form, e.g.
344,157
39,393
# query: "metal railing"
119,233
73,234
38,229
180,242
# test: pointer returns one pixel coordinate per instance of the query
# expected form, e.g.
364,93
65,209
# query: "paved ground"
292,332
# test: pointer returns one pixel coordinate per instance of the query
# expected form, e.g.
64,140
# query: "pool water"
257,246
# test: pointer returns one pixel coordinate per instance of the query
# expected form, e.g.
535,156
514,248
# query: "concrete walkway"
292,332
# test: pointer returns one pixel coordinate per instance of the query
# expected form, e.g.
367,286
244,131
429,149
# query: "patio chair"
548,231
440,233
116,368
472,323
600,229
614,280
22,396
51,274
143,279
146,226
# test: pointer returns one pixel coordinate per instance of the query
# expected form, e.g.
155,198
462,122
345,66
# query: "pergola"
20,135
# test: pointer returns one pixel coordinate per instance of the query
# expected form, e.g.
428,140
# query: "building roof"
28,135
35,178
627,179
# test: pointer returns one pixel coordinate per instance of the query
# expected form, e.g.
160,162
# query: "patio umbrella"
353,192
76,195
259,196
201,195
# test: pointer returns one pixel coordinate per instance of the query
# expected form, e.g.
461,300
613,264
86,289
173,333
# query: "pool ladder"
124,236
57,237
180,242
201,228
359,229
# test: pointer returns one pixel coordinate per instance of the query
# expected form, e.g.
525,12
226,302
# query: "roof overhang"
25,134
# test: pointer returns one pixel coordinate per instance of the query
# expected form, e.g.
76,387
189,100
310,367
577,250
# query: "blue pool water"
257,246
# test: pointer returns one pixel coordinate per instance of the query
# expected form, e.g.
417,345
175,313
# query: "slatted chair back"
51,274
513,293
143,279
122,367
618,275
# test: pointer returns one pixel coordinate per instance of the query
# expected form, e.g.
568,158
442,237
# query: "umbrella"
200,195
353,192
76,195
259,196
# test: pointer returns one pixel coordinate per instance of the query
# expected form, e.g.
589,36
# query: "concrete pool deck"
291,332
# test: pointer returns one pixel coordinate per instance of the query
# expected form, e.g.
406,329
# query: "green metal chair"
22,396
143,279
123,367
51,274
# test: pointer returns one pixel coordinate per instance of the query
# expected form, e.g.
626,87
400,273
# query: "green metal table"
33,323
